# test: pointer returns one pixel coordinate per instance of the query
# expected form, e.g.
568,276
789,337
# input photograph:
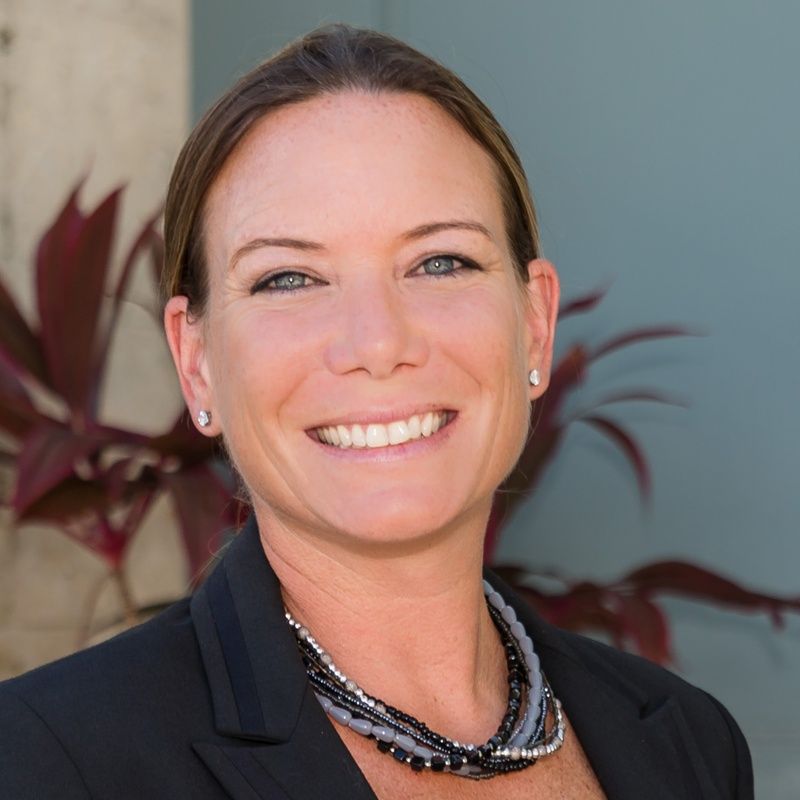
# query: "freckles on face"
342,307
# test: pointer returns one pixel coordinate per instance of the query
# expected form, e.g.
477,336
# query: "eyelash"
466,264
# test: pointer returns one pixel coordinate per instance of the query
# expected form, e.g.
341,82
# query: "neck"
410,626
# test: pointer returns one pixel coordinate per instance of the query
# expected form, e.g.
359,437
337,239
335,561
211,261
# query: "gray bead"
527,728
497,601
341,715
423,752
325,702
362,726
535,694
526,645
520,740
487,588
509,615
532,662
517,629
383,733
406,742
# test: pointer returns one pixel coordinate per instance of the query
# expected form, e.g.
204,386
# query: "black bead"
384,747
437,763
456,762
417,763
400,754
495,741
475,756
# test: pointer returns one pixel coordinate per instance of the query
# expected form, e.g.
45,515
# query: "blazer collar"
637,744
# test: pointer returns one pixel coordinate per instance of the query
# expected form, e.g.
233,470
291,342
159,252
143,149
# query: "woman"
358,308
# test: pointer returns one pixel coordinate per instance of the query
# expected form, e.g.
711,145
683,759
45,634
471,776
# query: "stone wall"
97,88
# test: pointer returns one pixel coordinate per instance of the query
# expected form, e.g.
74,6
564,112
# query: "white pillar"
97,87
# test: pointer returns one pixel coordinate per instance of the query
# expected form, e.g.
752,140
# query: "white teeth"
345,440
426,426
398,433
358,437
377,435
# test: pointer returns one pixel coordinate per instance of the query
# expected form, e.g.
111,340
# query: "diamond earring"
534,378
204,418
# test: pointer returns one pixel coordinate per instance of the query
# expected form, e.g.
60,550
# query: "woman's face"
360,275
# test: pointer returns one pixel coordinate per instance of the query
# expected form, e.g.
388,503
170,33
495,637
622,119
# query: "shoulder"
83,710
616,693
695,721
145,653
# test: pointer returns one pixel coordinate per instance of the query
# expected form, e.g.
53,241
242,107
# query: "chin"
395,522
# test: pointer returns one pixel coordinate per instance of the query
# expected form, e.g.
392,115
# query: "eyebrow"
420,232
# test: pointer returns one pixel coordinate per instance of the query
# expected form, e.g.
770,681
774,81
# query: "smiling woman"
356,304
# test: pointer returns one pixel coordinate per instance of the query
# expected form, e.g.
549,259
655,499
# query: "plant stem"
130,611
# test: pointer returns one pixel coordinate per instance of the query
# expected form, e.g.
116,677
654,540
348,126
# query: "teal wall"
662,140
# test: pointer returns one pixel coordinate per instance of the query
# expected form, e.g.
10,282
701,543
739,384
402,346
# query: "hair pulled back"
327,60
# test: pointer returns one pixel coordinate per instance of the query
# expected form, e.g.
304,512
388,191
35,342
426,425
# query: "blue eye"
443,265
282,282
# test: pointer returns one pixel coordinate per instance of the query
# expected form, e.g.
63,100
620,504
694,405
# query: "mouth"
378,434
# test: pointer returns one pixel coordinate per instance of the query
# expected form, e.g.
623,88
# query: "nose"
375,330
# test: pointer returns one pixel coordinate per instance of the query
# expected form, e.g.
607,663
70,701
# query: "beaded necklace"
522,737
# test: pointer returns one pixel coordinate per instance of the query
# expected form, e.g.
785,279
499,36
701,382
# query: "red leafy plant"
93,481
96,482
626,610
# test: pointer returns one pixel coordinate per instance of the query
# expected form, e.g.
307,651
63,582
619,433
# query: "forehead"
350,165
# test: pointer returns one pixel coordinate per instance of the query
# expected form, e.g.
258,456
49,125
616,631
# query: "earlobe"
186,340
543,296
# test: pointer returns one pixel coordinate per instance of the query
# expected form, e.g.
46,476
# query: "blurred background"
661,142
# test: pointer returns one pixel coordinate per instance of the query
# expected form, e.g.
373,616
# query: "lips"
378,434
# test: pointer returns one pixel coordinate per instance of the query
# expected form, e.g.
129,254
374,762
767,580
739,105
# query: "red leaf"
689,580
582,304
140,245
70,499
203,506
19,348
71,269
640,395
17,413
628,446
639,335
47,458
645,624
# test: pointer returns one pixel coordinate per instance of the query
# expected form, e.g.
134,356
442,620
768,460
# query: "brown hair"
327,60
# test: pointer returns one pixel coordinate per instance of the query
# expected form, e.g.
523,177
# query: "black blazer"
210,701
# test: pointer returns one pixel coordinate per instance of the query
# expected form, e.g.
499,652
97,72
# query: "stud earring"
534,378
204,418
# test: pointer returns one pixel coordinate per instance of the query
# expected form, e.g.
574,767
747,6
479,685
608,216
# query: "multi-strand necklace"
532,726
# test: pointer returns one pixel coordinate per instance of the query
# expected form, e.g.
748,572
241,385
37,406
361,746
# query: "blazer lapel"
274,740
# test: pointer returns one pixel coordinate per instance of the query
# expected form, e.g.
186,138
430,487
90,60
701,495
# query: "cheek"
483,332
259,360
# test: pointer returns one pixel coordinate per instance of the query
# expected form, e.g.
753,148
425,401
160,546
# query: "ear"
186,338
543,292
